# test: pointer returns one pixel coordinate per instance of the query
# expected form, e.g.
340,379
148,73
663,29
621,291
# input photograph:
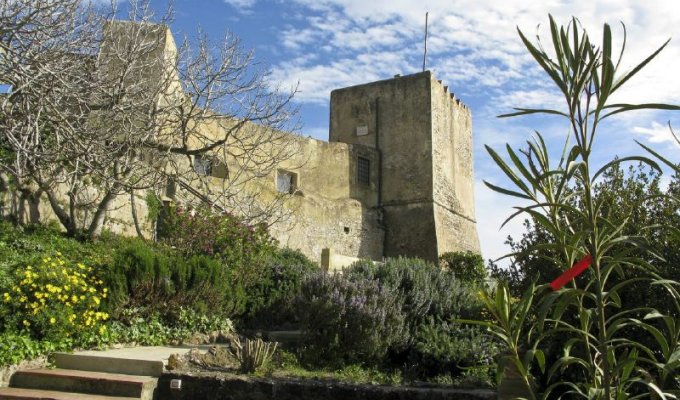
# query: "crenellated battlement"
455,102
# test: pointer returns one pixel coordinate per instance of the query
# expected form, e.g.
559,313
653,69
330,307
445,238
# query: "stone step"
11,393
114,365
101,383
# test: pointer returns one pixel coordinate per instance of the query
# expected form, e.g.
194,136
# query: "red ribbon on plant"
572,272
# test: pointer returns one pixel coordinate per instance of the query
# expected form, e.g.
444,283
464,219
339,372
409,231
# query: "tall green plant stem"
579,122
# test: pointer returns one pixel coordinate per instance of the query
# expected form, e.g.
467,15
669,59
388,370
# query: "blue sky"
473,47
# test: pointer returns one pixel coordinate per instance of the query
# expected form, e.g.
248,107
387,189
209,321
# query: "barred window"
364,171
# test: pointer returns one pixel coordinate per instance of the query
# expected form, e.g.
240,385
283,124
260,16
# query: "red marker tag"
572,272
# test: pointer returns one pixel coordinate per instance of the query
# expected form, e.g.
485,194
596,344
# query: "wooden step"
101,383
11,393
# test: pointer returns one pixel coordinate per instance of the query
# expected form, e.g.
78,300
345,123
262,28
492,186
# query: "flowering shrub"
55,299
347,321
243,248
377,314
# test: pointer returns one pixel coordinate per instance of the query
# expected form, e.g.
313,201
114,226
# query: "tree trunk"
66,221
100,214
135,218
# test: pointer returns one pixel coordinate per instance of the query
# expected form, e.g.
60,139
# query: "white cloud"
656,132
241,5
475,43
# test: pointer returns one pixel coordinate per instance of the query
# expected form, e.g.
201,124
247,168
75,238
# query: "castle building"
394,179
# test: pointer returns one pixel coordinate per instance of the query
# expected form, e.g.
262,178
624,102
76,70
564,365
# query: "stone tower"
423,136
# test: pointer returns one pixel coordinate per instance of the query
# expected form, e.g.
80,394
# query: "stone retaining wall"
236,387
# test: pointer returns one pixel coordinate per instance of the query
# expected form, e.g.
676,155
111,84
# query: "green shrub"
16,347
140,327
449,349
159,281
28,245
272,299
467,266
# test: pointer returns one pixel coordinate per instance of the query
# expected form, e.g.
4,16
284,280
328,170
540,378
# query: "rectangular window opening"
203,165
364,171
286,181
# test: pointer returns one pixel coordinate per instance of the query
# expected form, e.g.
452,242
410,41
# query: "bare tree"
100,108
39,46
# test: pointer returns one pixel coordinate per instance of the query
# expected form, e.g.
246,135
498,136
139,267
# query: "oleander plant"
575,338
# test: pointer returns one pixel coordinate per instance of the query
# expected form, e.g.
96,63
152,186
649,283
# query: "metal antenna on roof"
425,53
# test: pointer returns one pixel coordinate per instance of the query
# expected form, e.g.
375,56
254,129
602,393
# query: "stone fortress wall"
423,136
395,177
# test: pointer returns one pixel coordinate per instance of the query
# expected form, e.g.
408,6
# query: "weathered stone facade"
423,137
395,178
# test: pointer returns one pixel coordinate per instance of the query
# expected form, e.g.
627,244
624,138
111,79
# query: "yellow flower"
26,323
52,320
